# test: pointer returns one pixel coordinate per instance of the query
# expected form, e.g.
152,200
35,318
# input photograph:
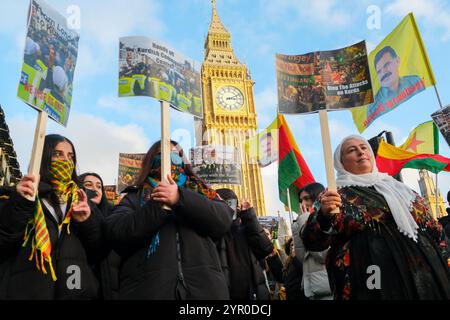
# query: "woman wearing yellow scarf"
53,240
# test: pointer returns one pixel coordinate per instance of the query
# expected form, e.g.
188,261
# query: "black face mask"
232,203
90,193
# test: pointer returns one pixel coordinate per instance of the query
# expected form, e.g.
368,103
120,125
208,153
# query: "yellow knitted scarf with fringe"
66,188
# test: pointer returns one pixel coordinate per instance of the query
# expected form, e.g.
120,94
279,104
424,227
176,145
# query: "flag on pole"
293,172
276,142
391,160
399,69
423,139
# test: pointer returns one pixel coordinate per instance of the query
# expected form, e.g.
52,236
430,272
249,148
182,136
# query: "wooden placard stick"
165,144
327,153
38,147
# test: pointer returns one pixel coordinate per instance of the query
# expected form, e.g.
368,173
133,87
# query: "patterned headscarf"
66,189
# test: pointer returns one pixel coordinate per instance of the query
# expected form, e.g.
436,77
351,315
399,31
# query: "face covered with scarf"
177,170
179,176
167,193
67,190
61,170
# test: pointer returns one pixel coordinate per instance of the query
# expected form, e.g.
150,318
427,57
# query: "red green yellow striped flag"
391,160
293,172
276,142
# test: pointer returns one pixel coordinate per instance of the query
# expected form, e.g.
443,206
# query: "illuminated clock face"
230,98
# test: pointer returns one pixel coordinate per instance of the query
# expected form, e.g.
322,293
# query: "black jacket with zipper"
244,245
107,271
186,263
72,254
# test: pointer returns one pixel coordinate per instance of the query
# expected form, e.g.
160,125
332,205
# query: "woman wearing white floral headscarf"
384,243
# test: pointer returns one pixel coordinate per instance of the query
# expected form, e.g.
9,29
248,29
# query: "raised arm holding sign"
153,69
48,68
321,81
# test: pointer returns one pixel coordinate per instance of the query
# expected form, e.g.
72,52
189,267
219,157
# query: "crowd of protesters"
178,238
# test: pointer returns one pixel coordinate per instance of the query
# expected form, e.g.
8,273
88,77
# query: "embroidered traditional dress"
366,242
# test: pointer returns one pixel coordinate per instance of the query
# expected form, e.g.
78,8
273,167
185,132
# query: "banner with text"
320,80
48,67
151,68
217,164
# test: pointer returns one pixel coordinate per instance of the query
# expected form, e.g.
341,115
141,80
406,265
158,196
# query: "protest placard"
321,80
129,167
151,68
217,164
442,120
50,55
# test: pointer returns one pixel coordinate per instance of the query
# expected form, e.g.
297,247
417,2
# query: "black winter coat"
107,270
245,244
292,275
19,277
186,264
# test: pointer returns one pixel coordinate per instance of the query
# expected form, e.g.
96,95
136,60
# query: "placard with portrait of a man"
394,88
268,149
399,69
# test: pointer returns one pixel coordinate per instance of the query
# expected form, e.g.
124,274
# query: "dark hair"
312,189
104,201
154,150
227,194
81,178
287,246
448,198
50,143
382,52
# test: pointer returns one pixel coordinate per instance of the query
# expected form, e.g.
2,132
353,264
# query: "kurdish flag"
391,160
293,172
277,141
423,139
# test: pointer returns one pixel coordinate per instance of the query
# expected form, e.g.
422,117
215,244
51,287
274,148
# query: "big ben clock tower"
229,110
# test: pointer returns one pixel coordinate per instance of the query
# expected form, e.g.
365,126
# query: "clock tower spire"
218,41
229,110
